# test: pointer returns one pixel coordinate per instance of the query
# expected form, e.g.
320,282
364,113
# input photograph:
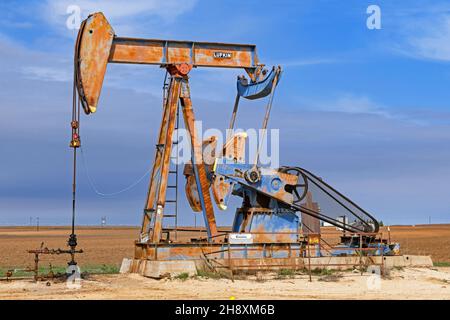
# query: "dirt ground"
110,245
100,245
410,283
433,240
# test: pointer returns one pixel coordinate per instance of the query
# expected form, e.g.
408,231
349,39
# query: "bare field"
100,245
432,240
110,245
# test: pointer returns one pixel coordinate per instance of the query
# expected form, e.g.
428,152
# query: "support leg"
197,162
158,183
174,94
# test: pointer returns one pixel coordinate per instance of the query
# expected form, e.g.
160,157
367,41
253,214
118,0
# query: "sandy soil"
411,283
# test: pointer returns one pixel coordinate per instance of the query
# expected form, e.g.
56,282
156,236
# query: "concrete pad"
158,269
407,261
388,261
161,268
394,261
126,265
420,261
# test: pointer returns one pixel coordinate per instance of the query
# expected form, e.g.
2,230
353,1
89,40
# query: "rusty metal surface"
209,146
97,38
192,193
198,166
271,182
188,251
149,207
310,224
167,52
99,45
271,197
46,251
198,54
221,190
209,155
161,184
263,256
234,148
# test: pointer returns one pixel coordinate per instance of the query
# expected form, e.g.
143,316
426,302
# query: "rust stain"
192,193
209,155
179,54
97,38
132,51
189,120
220,190
165,160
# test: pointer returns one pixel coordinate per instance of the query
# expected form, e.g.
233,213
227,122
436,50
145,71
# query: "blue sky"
368,110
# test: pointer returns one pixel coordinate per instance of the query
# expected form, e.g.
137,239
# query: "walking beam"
98,45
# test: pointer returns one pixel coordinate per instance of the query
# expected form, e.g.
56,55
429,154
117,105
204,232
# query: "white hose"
131,186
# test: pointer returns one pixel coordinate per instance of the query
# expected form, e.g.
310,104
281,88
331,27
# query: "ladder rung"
171,201
170,215
172,171
171,187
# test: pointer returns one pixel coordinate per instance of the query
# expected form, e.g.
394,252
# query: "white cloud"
120,13
350,103
117,9
30,64
46,74
360,104
434,40
424,35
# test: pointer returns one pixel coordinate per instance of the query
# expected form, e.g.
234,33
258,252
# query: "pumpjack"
278,204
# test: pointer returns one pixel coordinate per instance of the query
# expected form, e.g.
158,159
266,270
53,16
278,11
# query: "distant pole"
37,223
31,221
429,219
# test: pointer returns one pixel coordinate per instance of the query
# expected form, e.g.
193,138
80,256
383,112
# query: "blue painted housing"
258,89
270,224
379,248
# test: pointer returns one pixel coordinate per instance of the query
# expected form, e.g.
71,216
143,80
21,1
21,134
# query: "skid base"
175,258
